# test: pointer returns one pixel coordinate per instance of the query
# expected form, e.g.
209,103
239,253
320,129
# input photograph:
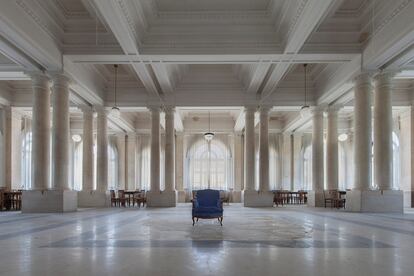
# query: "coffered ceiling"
197,53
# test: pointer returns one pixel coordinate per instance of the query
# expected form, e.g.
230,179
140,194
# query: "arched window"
342,166
112,167
77,166
396,161
307,169
209,166
26,165
145,165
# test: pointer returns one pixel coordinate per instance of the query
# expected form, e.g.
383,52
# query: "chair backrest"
330,194
121,193
208,197
112,193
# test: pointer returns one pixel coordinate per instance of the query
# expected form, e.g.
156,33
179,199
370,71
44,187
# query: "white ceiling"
198,54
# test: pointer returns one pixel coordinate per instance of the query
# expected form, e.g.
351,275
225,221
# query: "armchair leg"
220,219
193,221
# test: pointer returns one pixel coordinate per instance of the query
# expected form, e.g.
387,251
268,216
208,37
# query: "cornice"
25,6
392,15
127,15
295,18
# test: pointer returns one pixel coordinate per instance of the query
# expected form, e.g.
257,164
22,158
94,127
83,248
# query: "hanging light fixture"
76,138
209,135
342,137
305,109
115,111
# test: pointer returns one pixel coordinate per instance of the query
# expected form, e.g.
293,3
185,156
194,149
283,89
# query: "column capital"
384,78
265,108
101,110
86,109
154,108
318,110
169,109
333,109
39,79
250,108
363,79
60,79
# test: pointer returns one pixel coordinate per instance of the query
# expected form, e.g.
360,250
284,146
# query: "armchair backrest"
208,197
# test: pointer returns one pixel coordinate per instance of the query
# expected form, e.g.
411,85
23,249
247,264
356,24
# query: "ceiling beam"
117,15
309,14
164,78
258,77
13,75
24,40
214,59
393,35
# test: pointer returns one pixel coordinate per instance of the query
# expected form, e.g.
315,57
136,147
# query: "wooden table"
130,195
12,200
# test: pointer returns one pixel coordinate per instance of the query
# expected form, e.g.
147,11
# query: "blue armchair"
207,205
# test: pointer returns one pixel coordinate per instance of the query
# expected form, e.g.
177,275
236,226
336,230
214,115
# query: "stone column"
60,133
264,150
5,147
383,124
179,166
87,150
249,152
362,199
332,148
362,132
131,161
155,149
40,132
169,149
120,141
317,150
238,167
102,151
279,168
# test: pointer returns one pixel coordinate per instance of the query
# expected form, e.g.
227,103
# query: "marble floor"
292,240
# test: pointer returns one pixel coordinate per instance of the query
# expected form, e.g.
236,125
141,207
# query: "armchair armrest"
195,202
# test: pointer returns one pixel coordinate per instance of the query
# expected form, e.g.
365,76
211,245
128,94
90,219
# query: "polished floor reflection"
292,240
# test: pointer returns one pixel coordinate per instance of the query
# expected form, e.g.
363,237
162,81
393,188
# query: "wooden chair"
2,199
122,199
302,197
114,199
16,200
278,198
138,198
330,197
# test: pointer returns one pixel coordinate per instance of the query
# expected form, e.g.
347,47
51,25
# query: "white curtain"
144,162
112,163
208,165
274,152
305,166
77,165
26,165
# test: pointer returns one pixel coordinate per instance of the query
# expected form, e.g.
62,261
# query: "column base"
257,199
316,199
236,197
408,199
97,199
181,196
161,199
49,201
375,201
